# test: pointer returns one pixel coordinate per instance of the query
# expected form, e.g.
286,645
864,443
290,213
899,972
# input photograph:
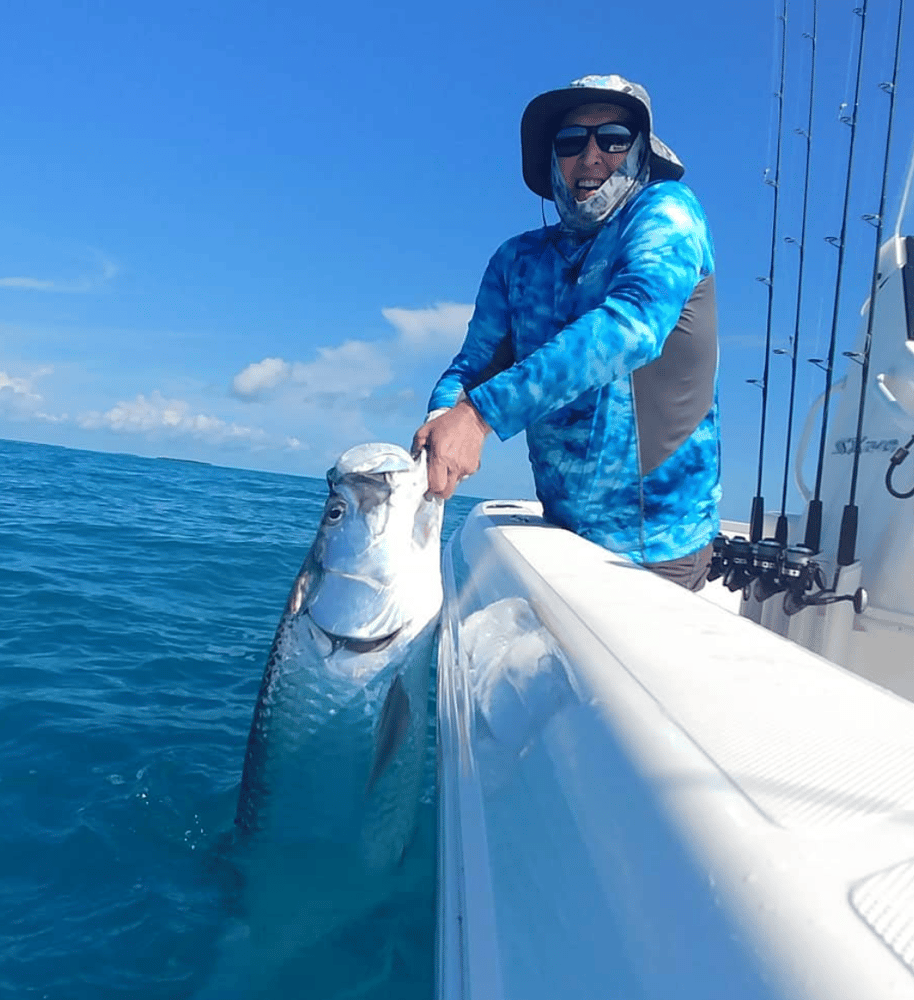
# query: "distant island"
186,461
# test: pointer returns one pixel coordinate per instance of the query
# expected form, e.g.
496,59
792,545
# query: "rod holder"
847,540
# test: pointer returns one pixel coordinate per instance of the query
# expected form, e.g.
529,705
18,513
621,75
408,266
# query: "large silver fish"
334,762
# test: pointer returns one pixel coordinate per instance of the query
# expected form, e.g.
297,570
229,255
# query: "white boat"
645,793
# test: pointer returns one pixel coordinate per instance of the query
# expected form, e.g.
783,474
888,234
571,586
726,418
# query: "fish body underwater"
334,762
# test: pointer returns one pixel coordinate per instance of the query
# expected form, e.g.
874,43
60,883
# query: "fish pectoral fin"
309,576
392,728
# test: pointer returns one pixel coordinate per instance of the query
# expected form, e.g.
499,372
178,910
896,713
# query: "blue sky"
251,234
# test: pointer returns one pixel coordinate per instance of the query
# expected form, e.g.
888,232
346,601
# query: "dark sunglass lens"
570,141
611,138
614,138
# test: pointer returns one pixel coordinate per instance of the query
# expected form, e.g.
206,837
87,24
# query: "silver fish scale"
313,742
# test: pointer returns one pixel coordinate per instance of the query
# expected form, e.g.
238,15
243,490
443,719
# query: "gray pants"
688,571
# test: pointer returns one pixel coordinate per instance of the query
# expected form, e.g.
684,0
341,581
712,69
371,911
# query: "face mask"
586,217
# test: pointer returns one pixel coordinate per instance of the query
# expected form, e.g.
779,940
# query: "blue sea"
138,601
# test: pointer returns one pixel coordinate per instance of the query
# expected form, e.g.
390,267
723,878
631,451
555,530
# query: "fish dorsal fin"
392,729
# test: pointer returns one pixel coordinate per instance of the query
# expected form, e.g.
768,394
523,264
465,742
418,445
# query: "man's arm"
454,438
487,338
665,247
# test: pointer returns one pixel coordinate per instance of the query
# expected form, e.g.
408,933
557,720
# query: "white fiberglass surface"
574,868
904,218
646,796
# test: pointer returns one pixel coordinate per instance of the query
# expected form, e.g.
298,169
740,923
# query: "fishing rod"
847,541
780,533
813,538
758,503
772,563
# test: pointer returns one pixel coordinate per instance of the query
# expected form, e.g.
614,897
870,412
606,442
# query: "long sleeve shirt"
611,372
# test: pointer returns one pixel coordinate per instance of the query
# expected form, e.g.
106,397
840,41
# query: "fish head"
376,557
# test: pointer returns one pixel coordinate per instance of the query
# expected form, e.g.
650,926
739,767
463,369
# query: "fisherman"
598,337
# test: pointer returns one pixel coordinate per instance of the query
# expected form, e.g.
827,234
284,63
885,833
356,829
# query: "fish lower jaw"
358,645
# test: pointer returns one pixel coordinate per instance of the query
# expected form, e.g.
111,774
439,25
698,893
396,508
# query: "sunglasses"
611,138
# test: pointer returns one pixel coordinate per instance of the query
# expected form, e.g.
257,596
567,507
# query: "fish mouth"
357,645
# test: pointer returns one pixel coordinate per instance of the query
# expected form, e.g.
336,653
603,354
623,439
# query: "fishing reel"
776,568
803,574
766,565
741,563
731,559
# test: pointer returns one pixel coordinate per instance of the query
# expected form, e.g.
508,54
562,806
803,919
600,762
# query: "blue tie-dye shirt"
581,318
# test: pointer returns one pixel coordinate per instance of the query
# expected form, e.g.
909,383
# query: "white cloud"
261,377
19,399
312,408
20,386
155,415
351,370
358,389
443,326
354,369
106,269
33,284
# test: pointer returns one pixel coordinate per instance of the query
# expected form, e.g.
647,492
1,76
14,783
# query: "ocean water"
138,600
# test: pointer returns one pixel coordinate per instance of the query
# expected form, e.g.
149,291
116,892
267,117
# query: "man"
598,336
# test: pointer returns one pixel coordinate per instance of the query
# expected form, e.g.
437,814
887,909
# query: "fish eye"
335,511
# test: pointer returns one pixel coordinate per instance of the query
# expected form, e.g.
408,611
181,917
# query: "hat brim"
540,122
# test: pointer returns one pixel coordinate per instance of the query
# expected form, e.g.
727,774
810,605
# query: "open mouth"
358,645
586,187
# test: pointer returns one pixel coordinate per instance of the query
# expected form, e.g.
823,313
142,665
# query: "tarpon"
334,762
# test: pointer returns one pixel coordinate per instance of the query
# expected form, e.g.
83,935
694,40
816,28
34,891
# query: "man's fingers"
438,477
419,440
452,482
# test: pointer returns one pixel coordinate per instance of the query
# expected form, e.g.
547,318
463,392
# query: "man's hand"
453,443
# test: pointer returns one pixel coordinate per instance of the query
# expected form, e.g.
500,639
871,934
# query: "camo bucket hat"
543,114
